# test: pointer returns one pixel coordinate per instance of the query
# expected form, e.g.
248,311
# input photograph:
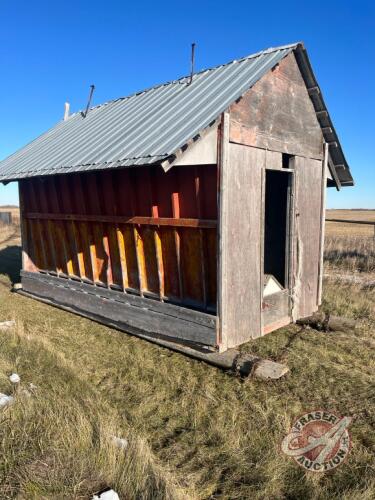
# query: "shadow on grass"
11,262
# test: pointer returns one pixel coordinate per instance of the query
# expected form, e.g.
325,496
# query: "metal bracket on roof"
84,114
192,64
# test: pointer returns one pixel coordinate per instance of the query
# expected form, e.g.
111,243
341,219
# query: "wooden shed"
192,211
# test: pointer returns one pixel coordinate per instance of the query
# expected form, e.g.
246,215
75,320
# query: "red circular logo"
318,441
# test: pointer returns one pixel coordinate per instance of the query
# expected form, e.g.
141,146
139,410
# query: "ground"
193,431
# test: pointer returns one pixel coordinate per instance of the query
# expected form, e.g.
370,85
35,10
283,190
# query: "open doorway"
277,232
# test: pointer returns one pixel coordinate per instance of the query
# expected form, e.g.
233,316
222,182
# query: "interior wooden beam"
118,219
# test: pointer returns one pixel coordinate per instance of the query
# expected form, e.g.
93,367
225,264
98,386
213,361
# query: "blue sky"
51,51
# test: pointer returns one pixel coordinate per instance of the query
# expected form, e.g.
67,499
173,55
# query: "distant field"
342,229
14,210
350,247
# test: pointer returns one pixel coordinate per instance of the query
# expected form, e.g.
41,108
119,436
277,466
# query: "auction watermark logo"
319,441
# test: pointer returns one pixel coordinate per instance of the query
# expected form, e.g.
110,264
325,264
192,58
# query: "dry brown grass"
355,254
350,230
194,431
350,247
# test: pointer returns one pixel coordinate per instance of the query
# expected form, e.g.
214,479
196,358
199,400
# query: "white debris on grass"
120,442
5,400
15,378
5,325
107,494
32,387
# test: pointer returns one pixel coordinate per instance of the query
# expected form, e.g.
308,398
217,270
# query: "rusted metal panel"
278,115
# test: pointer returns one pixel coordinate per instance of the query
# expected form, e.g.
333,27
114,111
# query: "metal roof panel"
145,127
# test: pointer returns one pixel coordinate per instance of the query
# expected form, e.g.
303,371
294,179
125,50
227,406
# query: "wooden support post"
322,223
137,239
222,221
76,244
176,215
27,262
201,237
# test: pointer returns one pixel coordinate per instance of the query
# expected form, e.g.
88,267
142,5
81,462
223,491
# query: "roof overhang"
337,163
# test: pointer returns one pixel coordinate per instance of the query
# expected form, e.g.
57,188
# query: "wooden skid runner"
139,315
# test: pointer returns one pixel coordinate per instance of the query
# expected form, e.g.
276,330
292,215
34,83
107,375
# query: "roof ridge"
178,80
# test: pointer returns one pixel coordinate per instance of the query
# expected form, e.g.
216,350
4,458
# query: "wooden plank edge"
230,360
118,219
276,325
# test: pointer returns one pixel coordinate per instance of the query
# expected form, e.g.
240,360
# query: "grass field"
193,430
350,247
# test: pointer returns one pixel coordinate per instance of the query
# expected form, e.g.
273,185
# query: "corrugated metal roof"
143,128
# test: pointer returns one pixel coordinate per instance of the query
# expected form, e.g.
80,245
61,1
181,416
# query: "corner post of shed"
223,161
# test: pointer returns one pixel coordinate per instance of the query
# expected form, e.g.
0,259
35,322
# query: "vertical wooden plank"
28,257
223,174
152,188
42,234
100,230
125,202
34,231
240,294
164,189
202,247
52,194
74,238
138,245
190,243
209,203
89,251
115,240
322,222
48,204
122,256
148,258
85,227
262,236
308,191
118,187
177,240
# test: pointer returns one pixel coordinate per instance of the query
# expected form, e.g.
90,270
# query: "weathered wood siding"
277,114
139,230
308,196
240,274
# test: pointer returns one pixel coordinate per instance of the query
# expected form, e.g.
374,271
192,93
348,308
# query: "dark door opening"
276,232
